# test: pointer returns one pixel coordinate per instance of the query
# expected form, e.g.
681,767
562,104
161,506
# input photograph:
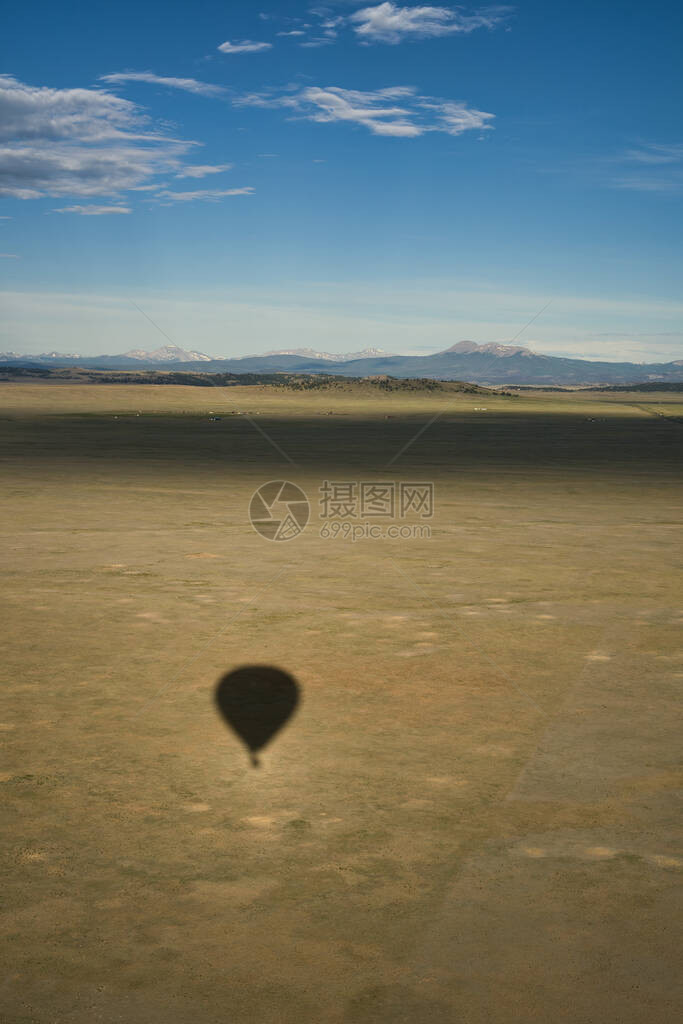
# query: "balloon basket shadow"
256,701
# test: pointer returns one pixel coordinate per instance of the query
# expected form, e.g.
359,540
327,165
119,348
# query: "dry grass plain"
472,816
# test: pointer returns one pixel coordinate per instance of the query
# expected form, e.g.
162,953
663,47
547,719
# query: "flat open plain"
471,817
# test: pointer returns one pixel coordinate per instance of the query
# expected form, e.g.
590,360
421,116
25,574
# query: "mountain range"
467,360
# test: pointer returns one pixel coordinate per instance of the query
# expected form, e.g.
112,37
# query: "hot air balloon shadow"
256,701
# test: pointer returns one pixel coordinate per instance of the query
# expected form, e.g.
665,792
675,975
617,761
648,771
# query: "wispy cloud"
246,46
202,170
93,211
653,167
389,23
398,111
316,41
8,256
185,84
212,195
80,142
641,183
656,154
330,25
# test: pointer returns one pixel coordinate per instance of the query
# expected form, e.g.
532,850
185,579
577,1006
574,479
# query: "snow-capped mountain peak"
332,357
168,354
463,348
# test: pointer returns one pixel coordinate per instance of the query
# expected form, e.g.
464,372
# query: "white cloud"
30,112
202,170
455,118
368,109
206,193
246,46
398,111
29,172
294,32
388,23
186,84
93,211
81,142
8,256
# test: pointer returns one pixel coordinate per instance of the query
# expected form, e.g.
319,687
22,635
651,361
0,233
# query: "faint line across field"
675,420
421,958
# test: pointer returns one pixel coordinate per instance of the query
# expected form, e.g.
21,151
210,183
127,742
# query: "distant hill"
652,387
286,381
484,364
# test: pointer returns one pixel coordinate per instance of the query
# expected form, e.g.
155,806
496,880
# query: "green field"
472,815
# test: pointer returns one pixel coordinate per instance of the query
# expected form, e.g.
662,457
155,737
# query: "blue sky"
342,175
